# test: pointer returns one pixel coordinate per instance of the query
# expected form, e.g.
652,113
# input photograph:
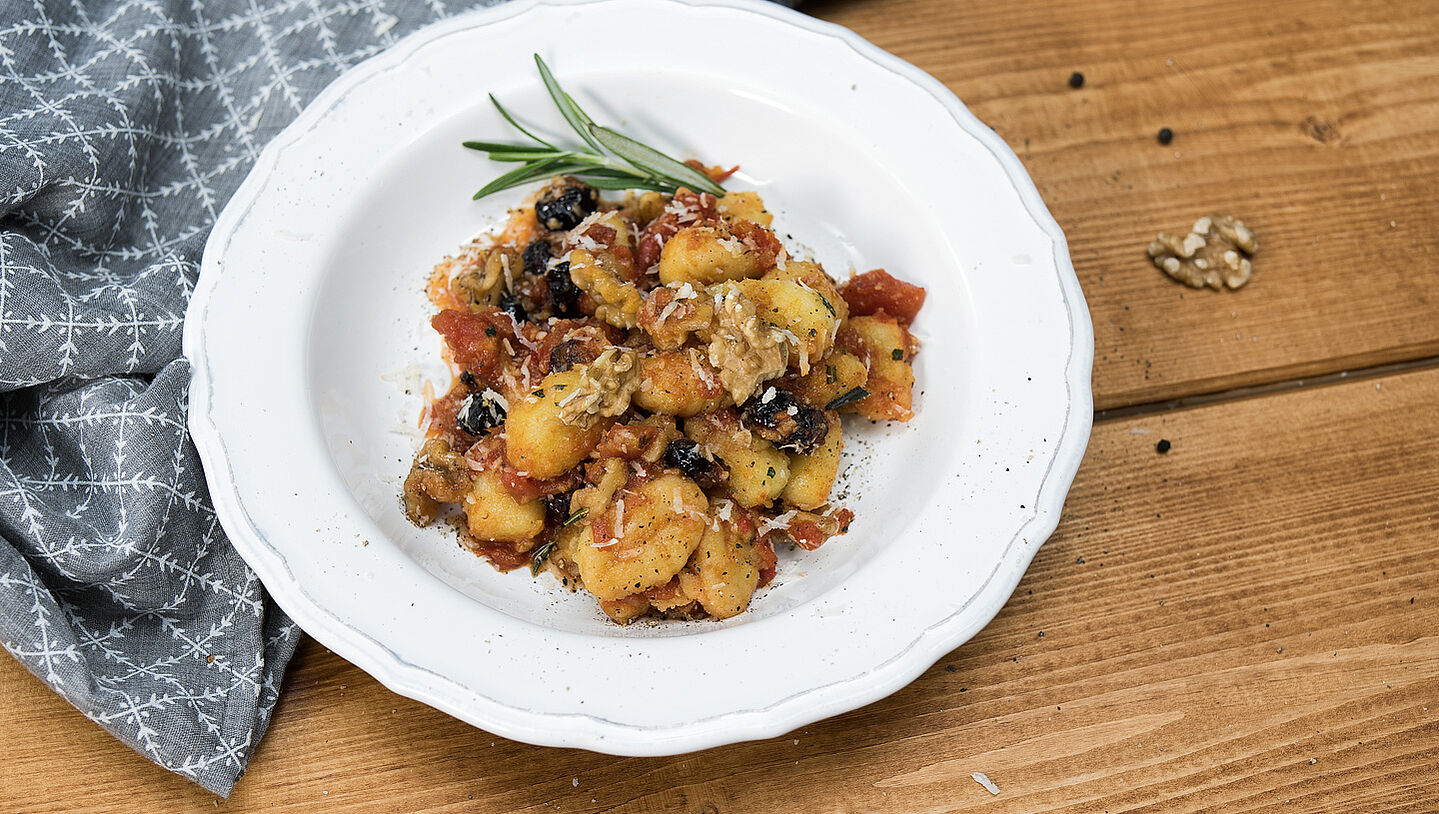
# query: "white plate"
309,322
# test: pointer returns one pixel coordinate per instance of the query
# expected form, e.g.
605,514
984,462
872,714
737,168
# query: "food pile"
647,395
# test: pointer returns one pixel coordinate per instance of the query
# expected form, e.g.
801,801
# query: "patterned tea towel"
125,125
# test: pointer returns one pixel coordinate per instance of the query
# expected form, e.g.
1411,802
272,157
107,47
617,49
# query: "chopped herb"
561,386
578,515
489,330
830,374
827,306
770,472
896,354
541,554
539,394
849,397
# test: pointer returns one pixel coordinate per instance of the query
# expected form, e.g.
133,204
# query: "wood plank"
1314,121
1250,619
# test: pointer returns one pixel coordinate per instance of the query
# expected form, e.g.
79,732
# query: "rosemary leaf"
847,397
499,147
526,173
541,554
626,182
654,162
578,515
568,108
515,124
538,155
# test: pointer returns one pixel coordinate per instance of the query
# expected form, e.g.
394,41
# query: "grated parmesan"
777,523
803,357
620,515
490,394
509,276
584,225
699,369
520,335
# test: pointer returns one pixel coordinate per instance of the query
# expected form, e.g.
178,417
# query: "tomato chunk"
476,340
877,290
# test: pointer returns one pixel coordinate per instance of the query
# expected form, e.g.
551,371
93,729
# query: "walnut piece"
744,348
617,301
438,475
476,273
604,388
1215,253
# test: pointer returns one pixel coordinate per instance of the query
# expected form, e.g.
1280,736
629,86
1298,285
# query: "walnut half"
744,348
1215,253
604,388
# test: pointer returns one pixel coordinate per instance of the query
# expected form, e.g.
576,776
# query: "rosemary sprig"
609,160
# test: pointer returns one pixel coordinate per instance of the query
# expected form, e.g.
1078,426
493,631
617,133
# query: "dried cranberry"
564,294
775,416
686,456
566,202
536,257
479,413
567,354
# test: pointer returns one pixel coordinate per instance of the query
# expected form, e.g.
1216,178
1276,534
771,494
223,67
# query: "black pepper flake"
950,668
1076,80
1165,135
1079,560
1163,446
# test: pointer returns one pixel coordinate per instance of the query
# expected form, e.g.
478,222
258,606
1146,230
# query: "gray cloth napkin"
124,128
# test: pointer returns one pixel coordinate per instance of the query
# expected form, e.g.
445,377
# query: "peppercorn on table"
1238,610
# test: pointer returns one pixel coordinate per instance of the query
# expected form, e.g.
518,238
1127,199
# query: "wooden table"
1248,623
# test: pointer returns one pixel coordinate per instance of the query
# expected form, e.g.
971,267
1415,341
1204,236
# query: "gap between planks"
1255,391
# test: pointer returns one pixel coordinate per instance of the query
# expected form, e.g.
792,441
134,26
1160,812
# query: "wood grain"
1250,619
1314,121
